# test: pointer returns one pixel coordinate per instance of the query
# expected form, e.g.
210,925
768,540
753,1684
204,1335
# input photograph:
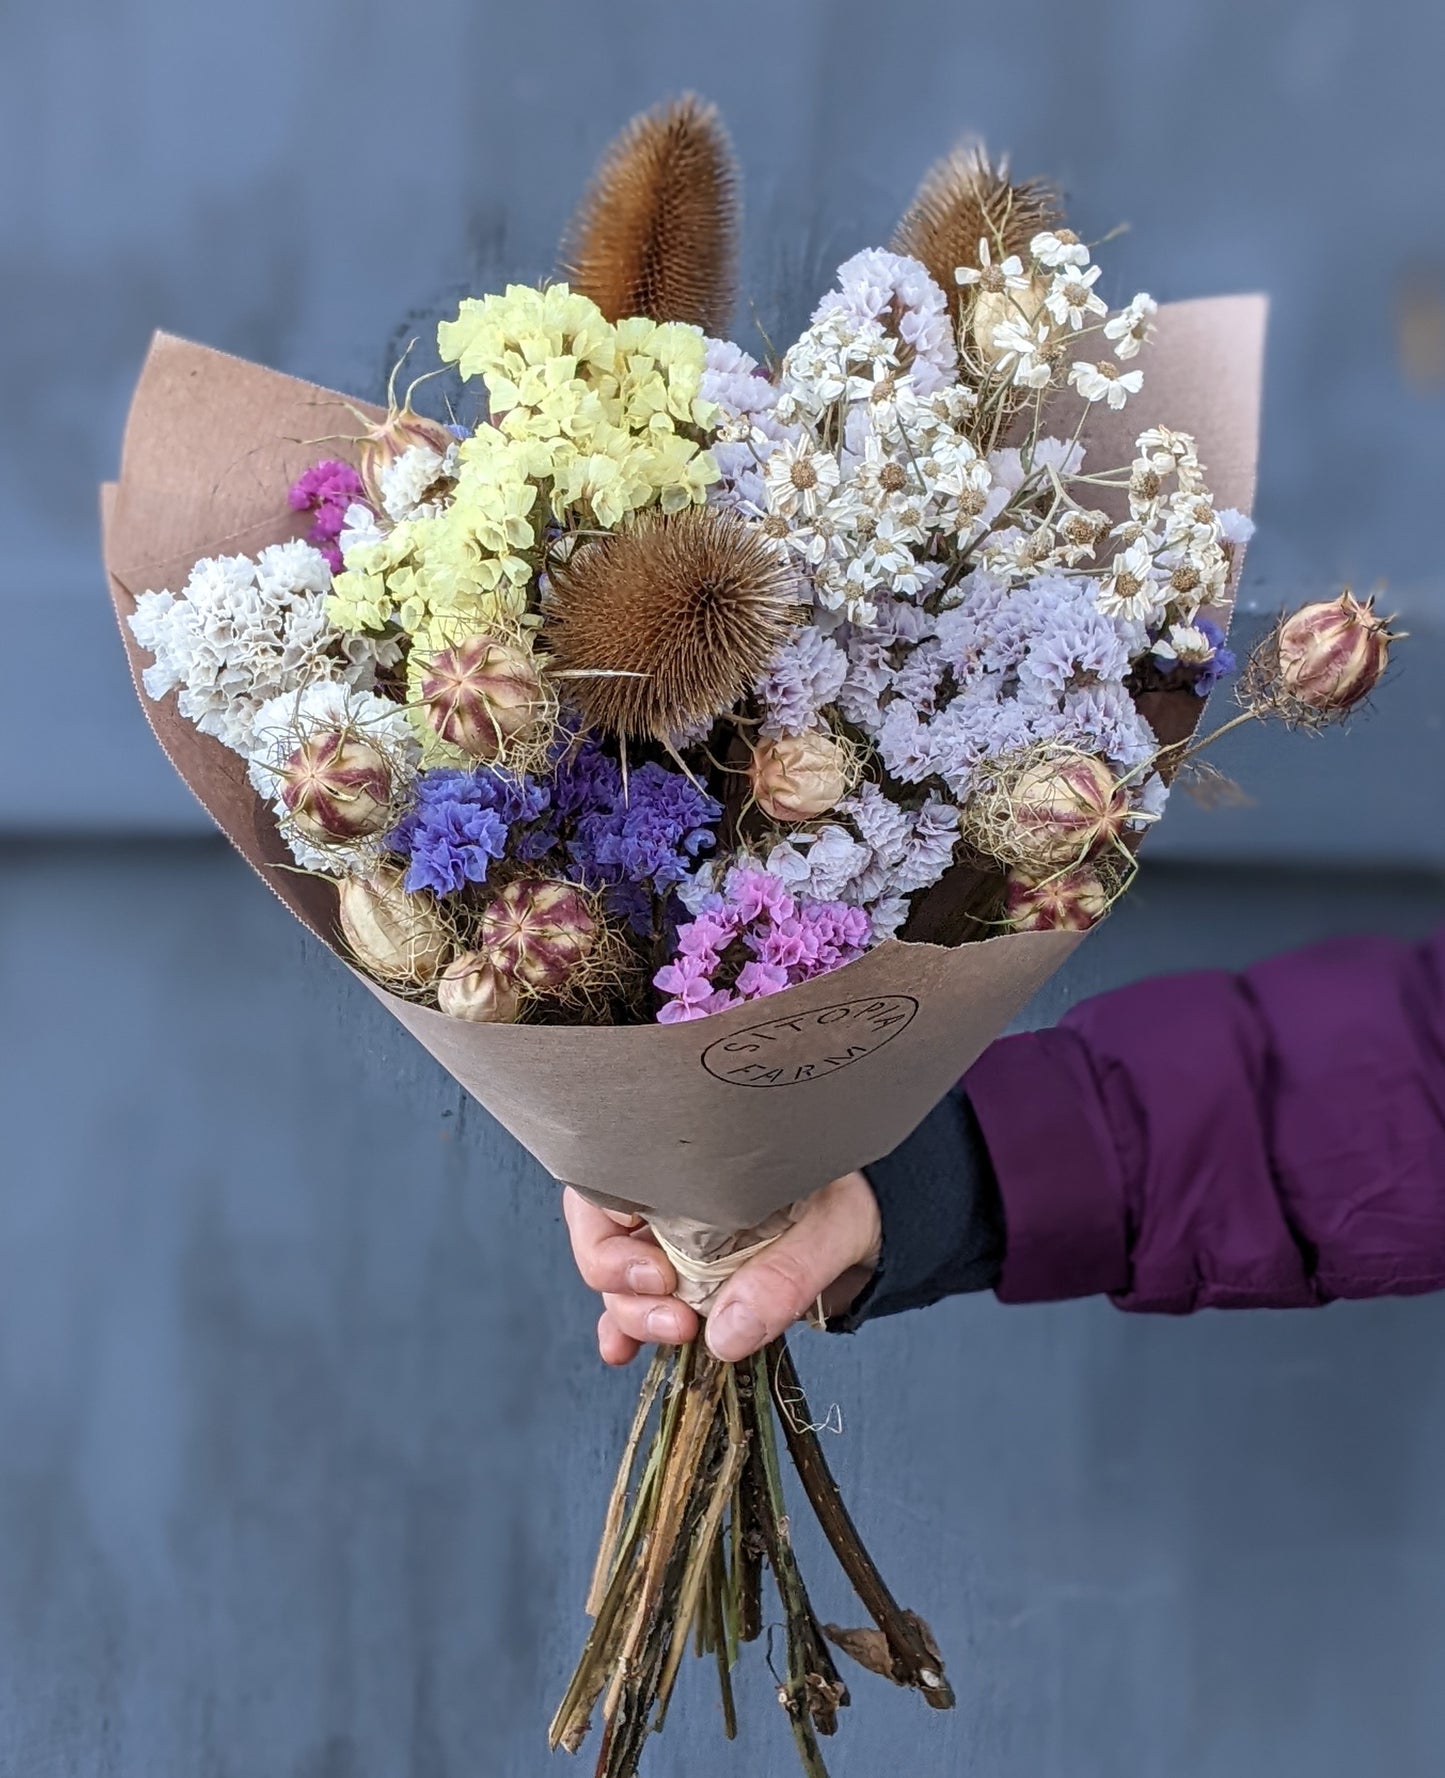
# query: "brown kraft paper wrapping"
724,1120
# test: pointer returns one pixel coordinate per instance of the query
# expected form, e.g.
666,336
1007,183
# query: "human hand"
831,1251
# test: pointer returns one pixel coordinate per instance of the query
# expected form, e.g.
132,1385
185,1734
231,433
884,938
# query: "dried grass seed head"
657,232
658,628
966,198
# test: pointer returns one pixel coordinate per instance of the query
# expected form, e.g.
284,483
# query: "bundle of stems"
696,1514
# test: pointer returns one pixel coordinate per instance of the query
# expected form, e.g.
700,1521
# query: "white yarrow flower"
1101,382
1071,297
1129,329
1058,249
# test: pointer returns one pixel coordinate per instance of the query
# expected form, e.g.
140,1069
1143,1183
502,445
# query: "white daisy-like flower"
1185,643
800,479
1020,352
1102,382
1191,523
1058,248
1008,274
1132,588
1130,329
1071,297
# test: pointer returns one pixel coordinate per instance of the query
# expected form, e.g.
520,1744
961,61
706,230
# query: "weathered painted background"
301,1445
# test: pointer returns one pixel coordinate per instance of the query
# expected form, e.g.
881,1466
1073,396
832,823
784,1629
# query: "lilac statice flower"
761,935
460,825
325,491
635,841
807,672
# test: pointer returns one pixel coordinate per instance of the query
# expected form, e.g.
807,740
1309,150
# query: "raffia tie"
704,1258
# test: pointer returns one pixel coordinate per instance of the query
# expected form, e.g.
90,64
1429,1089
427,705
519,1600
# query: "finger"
610,1260
614,1345
836,1230
668,1323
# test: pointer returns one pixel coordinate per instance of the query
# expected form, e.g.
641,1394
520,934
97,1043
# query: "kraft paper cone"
724,1120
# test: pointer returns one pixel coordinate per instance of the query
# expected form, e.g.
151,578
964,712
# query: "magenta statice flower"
754,938
325,491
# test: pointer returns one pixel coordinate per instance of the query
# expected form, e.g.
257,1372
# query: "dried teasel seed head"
472,987
336,787
481,694
658,628
539,932
657,232
398,937
966,198
1331,654
1068,901
1047,810
798,777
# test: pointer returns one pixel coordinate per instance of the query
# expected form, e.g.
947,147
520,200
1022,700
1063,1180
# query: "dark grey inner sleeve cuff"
943,1229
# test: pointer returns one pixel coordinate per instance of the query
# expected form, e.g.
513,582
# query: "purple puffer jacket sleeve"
1267,1140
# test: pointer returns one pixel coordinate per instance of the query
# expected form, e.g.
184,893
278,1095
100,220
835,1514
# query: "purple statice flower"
460,825
635,841
325,491
769,937
1219,665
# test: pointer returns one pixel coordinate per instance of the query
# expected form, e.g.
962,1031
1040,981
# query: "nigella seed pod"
381,445
1049,810
472,987
399,937
1333,653
1068,901
992,308
539,932
336,788
798,777
481,694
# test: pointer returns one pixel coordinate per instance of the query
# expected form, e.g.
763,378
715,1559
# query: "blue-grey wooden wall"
301,1440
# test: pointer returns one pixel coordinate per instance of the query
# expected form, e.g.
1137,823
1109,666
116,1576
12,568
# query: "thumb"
837,1229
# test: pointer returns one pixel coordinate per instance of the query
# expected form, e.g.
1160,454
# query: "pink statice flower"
325,491
752,939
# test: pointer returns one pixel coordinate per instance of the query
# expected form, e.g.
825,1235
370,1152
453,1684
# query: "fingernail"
734,1331
644,1279
663,1324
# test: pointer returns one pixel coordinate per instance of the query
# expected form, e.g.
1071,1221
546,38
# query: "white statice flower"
821,865
1071,297
1235,527
800,479
806,674
406,480
359,530
1058,248
241,632
749,427
1102,382
1129,330
283,723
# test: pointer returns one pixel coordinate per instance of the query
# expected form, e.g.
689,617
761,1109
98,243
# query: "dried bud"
1050,811
481,694
1069,901
398,937
798,777
336,786
992,308
473,988
1333,653
539,932
389,439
